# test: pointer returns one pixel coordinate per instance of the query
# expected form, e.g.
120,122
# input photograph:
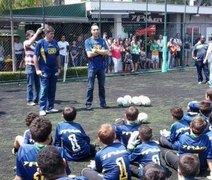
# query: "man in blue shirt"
96,48
47,65
198,54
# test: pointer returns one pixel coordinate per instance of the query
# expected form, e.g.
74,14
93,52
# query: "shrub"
19,76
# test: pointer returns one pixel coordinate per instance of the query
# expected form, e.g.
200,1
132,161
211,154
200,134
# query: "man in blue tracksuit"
47,64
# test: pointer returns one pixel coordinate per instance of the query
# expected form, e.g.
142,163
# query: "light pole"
12,35
184,30
100,22
164,65
43,13
146,17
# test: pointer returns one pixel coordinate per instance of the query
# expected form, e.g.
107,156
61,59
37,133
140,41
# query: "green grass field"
164,89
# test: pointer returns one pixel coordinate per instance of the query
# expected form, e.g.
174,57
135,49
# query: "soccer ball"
142,117
125,103
136,100
128,98
120,101
145,101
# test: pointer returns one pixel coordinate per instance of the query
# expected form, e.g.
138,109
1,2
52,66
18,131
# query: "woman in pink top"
116,50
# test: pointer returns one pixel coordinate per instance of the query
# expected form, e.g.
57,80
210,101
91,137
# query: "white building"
131,14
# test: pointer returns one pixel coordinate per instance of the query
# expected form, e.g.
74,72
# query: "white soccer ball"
128,98
120,101
145,101
141,96
142,117
125,103
136,100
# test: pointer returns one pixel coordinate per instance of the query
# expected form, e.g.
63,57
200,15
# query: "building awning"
62,13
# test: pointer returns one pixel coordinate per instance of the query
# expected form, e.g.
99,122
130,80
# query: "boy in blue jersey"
179,127
96,49
144,153
154,171
112,160
26,139
188,167
47,65
210,127
40,130
194,107
204,111
52,165
196,143
72,137
209,134
127,127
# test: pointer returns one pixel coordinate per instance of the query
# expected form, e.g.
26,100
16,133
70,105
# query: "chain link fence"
73,21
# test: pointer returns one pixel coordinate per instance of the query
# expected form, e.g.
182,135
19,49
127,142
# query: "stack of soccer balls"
127,100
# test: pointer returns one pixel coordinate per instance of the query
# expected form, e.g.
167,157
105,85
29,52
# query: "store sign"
149,18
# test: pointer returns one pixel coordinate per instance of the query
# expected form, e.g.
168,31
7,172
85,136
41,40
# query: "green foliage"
18,76
11,76
71,72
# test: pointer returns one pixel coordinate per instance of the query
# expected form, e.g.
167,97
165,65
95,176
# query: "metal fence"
74,20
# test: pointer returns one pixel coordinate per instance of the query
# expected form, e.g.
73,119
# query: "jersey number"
122,167
156,159
38,176
74,143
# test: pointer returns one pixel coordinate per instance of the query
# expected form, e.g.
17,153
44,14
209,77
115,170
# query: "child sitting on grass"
127,127
188,167
72,137
52,165
154,171
26,162
179,127
196,143
26,138
204,111
194,106
111,161
144,153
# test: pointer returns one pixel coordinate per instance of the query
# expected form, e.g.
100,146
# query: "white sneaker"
52,111
42,113
200,82
31,103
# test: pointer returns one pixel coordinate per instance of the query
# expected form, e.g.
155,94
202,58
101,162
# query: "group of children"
127,147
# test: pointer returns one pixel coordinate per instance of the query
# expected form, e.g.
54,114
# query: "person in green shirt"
154,48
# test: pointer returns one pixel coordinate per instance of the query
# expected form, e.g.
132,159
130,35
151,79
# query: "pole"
12,36
164,65
43,13
100,23
147,4
184,30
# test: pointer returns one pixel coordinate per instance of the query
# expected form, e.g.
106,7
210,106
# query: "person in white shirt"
208,58
160,43
64,47
19,48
